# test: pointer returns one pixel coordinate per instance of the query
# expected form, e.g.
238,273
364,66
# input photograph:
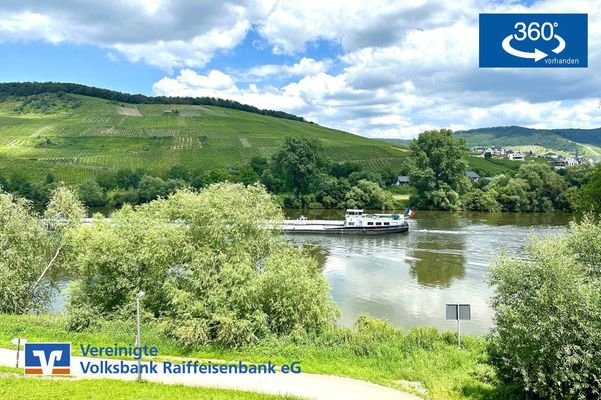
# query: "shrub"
547,338
209,268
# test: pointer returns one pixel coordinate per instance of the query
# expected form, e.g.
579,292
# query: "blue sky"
377,68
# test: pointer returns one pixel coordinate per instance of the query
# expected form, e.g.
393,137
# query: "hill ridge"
35,88
565,140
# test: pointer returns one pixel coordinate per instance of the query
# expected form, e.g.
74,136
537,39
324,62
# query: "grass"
78,143
377,353
13,387
493,166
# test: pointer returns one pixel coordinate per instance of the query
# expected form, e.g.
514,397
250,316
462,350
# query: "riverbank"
422,360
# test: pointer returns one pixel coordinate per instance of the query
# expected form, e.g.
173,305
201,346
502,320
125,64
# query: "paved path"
311,386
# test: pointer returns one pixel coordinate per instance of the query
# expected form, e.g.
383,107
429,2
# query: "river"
408,278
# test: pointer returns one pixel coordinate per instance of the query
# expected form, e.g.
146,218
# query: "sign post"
458,312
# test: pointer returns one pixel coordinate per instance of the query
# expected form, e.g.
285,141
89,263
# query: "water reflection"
437,249
408,278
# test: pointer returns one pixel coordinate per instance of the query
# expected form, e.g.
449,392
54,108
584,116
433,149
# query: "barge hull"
342,230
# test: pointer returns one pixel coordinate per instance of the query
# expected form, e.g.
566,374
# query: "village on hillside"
556,160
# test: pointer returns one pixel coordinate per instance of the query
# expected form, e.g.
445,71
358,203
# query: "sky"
376,68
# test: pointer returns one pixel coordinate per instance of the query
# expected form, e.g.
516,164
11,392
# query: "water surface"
408,278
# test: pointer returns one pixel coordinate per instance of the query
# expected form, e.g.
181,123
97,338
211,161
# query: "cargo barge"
356,222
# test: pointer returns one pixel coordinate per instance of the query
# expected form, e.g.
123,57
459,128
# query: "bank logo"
47,358
534,40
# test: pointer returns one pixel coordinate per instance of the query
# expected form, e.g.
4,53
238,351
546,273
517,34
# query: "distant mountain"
566,140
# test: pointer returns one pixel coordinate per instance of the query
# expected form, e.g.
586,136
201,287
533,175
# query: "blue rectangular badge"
534,40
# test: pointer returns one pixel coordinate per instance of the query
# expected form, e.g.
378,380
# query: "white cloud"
195,52
404,66
306,66
167,34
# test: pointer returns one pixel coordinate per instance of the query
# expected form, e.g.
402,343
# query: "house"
402,180
472,175
488,152
562,162
515,156
499,151
551,156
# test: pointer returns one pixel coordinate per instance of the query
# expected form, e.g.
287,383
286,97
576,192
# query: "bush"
479,200
209,268
547,338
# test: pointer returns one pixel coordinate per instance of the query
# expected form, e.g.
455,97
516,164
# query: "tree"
298,160
330,192
343,170
179,172
258,164
64,206
126,178
589,196
480,200
545,187
92,194
150,188
367,194
355,177
209,268
547,337
30,246
437,169
22,262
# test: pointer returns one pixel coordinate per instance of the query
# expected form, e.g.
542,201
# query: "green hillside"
76,137
585,141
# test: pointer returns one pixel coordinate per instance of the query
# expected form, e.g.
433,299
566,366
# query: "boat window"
386,223
351,223
370,223
378,223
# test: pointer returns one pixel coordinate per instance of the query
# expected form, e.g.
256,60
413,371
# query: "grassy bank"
374,351
13,386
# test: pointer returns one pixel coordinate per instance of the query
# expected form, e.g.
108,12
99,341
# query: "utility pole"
138,339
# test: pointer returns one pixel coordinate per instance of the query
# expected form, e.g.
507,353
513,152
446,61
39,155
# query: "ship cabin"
357,218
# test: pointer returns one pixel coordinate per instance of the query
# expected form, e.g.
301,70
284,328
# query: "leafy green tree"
343,170
126,178
209,268
298,161
437,169
330,192
589,196
26,250
259,164
64,206
355,177
179,172
367,194
150,188
92,194
217,175
119,197
547,338
30,246
512,193
482,200
545,187
243,174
